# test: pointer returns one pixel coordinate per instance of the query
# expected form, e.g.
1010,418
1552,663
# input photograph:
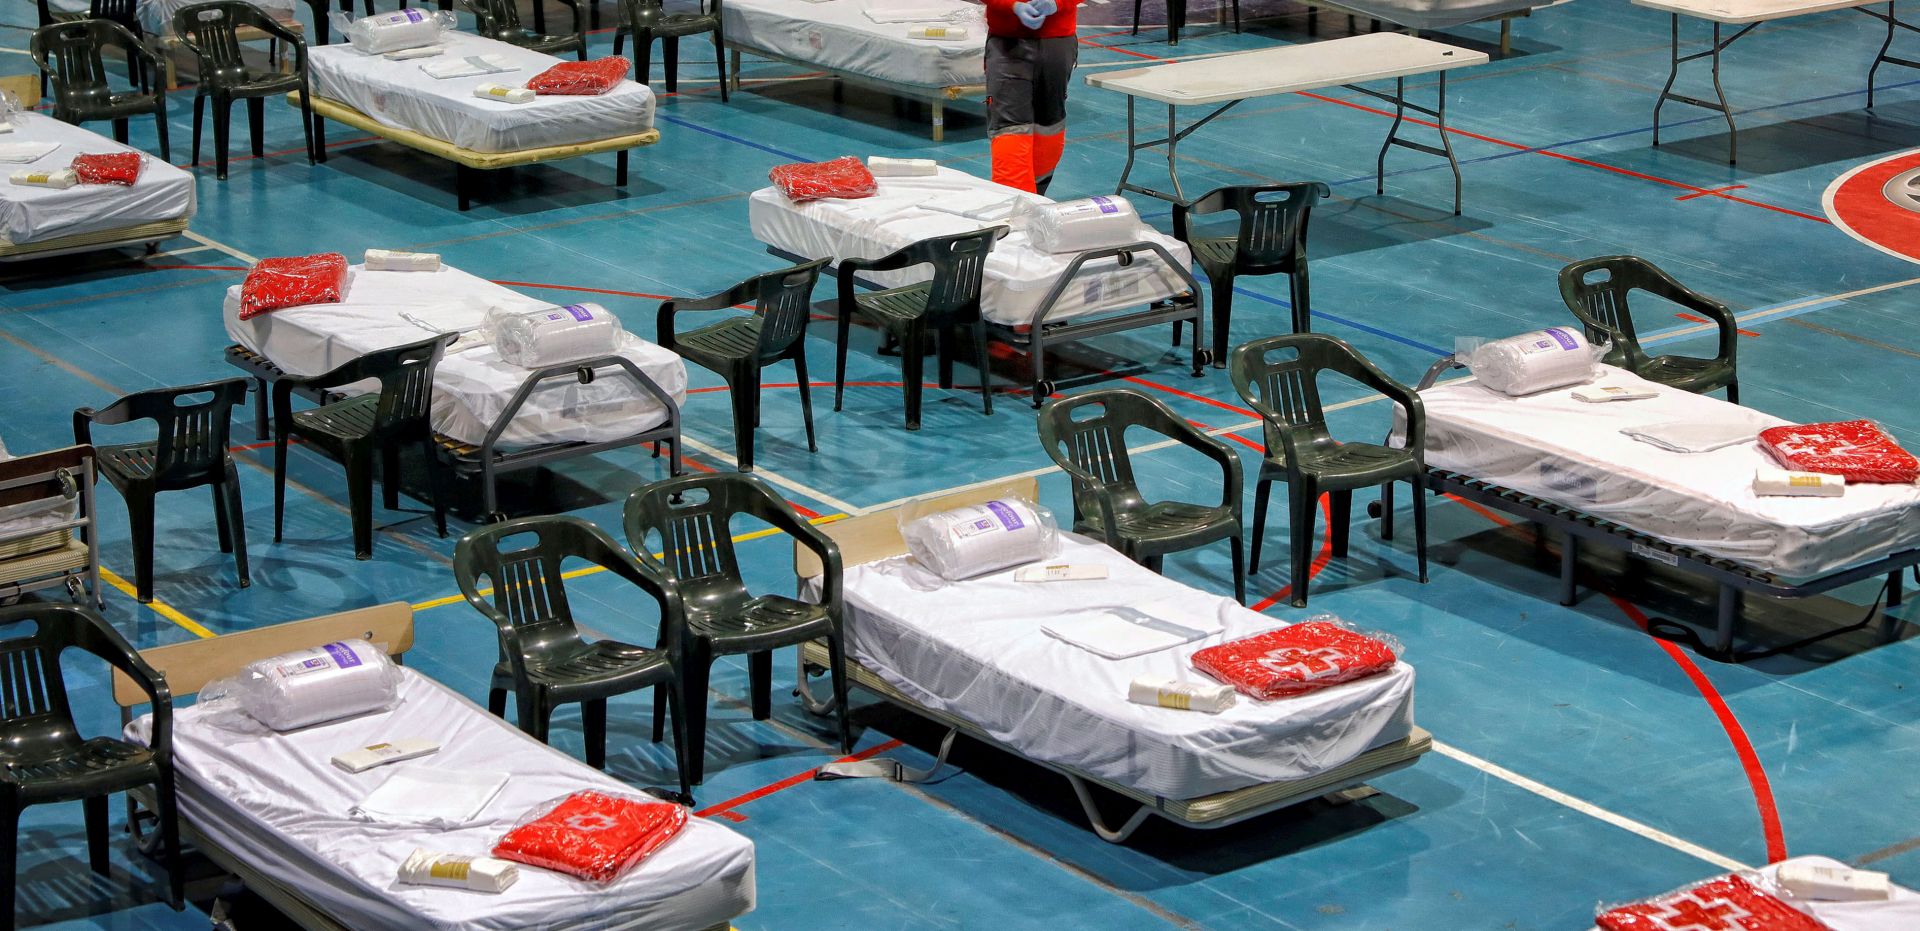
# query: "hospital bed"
971,656
1563,463
44,499
38,222
837,37
491,417
271,808
1029,298
398,102
1899,912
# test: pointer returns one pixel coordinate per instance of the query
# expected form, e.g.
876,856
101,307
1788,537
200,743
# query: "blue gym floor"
1578,758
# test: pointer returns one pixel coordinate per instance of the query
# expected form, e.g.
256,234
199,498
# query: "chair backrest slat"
785,307
959,269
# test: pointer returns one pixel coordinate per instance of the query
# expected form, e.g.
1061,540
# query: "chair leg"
806,395
678,710
120,131
435,479
619,42
222,115
95,810
199,114
913,360
359,465
720,57
693,710
845,325
140,517
256,125
1420,527
279,478
670,61
1386,511
1305,505
662,694
742,389
497,703
390,476
1298,295
943,339
221,530
1340,515
539,16
169,817
1239,568
760,683
837,668
1222,295
9,859
160,130
237,519
1733,392
980,359
593,728
1136,31
1261,490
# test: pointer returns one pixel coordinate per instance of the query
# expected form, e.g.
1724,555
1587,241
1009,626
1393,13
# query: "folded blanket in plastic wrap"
593,835
581,78
1730,903
1857,450
845,178
1320,652
122,168
293,281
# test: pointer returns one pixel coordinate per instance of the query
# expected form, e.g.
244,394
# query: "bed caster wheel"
495,517
1201,359
1373,509
1042,390
73,588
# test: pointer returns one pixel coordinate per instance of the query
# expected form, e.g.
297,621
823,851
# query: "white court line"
1751,316
773,477
1588,808
173,252
223,247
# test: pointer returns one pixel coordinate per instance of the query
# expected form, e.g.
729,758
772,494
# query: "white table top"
1289,68
1741,12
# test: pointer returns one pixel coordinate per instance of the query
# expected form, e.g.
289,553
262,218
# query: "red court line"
1718,190
1190,396
725,809
1123,51
1693,319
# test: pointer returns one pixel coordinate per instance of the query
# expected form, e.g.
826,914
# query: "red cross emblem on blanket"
1694,914
1304,664
1724,903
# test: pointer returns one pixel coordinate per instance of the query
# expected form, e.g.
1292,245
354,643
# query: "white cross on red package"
1725,903
1321,652
1857,450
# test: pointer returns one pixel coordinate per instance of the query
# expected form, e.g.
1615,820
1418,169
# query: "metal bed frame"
487,461
1732,579
69,563
872,537
936,98
1039,335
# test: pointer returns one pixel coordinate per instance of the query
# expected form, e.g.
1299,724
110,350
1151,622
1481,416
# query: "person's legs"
1053,72
1010,100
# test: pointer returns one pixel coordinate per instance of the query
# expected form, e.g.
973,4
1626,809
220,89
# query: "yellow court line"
159,607
590,570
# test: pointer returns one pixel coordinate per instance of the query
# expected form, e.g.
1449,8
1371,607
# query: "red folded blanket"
292,282
593,835
1855,449
845,177
581,78
122,168
1728,903
1296,660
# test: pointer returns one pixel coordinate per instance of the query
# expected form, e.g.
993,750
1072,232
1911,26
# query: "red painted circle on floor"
1857,202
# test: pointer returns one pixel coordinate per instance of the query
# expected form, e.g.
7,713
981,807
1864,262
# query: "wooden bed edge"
99,240
343,113
876,536
190,666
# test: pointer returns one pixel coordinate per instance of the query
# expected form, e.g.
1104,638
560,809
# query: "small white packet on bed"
409,54
58,179
1597,394
481,874
390,260
502,92
22,153
940,33
884,167
1833,883
1059,573
380,754
424,795
1732,428
1782,483
466,67
1161,692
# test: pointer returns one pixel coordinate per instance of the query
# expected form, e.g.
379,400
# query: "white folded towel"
409,54
466,67
389,260
442,798
21,153
60,178
1210,697
1695,436
1121,632
985,205
884,167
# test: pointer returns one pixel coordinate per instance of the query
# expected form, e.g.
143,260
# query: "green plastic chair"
738,347
211,32
1270,240
43,758
1087,437
189,450
500,20
687,520
69,54
359,429
544,661
1596,291
647,20
1278,377
944,305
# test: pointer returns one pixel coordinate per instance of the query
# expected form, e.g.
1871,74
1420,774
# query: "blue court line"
696,127
1344,321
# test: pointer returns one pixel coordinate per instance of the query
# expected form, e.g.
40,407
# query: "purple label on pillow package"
1564,338
414,16
579,312
1106,204
342,656
1008,517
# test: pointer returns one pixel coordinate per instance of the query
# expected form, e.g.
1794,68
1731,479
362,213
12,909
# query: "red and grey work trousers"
1027,107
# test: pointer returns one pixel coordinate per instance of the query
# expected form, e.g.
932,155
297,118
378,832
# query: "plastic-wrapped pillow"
581,78
971,541
1857,450
293,281
1735,902
122,168
592,835
1319,652
553,335
308,687
1081,225
391,32
846,178
1533,362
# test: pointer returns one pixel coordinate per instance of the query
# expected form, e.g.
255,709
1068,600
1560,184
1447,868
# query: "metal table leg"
1173,146
1400,107
1893,22
1172,143
1720,95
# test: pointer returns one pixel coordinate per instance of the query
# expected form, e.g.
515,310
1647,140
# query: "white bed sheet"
400,95
472,386
837,35
1572,452
1018,276
34,214
277,802
976,650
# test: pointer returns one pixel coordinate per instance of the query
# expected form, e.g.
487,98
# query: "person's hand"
1044,7
1029,14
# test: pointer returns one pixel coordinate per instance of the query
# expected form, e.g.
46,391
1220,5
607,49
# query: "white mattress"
1901,912
975,650
277,803
34,214
1018,276
471,386
400,95
1572,452
837,35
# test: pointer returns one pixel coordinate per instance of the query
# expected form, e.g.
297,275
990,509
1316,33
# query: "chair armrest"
113,649
1216,449
736,295
892,261
276,29
83,426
